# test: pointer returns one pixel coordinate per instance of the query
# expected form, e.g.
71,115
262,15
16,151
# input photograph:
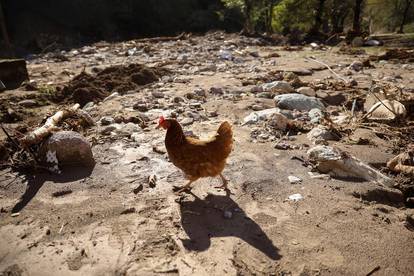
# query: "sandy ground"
103,227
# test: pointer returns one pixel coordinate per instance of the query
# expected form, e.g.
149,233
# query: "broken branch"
37,135
329,68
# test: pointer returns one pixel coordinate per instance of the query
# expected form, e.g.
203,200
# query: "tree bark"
248,26
405,15
339,13
318,17
356,26
4,32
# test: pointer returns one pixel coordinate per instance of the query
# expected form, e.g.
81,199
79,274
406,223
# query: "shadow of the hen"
36,181
204,219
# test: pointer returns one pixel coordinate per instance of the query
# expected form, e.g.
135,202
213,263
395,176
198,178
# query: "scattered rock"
372,42
128,211
62,193
278,121
152,181
200,92
71,149
127,129
320,133
315,115
215,90
294,180
138,189
28,103
264,95
13,72
357,42
142,107
157,94
107,120
279,87
257,107
187,121
254,117
301,72
356,66
298,102
107,130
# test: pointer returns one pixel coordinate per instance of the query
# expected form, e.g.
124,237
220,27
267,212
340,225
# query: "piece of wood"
37,135
329,68
162,38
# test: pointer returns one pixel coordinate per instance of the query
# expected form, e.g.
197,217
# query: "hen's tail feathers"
225,138
225,131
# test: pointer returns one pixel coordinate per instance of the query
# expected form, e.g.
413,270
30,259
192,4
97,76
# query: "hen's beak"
158,127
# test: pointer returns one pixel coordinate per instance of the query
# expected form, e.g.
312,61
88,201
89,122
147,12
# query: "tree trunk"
405,15
4,32
356,26
339,13
318,17
248,26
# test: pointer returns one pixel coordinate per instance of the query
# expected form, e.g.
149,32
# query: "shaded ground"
113,222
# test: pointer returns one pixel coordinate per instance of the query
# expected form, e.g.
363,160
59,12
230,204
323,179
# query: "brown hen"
197,158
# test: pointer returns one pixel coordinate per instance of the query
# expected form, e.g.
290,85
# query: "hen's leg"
186,187
224,186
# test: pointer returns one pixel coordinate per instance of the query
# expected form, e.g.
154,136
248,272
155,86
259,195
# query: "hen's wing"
204,157
218,147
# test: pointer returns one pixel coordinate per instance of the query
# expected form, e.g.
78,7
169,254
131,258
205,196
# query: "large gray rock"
71,149
298,102
13,72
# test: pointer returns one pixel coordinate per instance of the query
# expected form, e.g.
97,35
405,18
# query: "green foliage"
47,90
234,4
293,15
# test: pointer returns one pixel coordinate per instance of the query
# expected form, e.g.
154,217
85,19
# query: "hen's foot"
224,185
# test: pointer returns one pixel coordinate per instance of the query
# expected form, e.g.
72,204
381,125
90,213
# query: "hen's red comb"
162,119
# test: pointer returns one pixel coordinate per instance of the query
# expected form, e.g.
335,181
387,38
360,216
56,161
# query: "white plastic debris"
295,197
